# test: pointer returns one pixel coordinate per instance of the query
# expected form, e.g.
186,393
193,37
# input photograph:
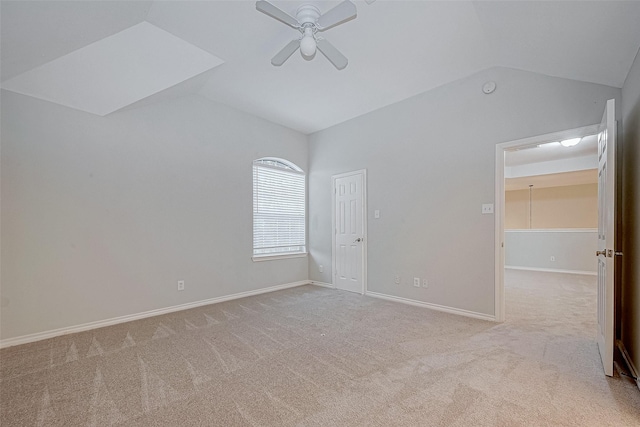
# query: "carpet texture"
313,356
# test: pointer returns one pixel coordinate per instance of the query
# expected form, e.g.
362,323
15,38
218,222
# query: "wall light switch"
487,208
376,214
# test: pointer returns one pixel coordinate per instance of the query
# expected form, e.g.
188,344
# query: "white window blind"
278,208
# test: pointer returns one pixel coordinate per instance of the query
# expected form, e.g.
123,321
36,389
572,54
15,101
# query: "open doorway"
540,231
607,251
551,236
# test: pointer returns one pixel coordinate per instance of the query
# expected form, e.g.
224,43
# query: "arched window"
278,208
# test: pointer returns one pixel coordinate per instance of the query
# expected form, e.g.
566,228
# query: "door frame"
365,240
501,148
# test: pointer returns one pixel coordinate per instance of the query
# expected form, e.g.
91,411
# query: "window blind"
278,210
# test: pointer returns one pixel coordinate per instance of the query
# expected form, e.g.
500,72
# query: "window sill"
259,258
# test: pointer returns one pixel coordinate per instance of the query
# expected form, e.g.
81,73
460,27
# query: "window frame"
283,165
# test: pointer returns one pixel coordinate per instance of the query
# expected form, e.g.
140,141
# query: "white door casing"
349,231
606,236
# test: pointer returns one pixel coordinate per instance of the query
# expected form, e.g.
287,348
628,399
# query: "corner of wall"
630,286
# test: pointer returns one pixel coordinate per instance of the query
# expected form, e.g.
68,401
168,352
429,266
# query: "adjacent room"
331,213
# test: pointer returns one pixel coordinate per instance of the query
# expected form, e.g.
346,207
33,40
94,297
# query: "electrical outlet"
397,280
181,285
552,259
425,283
321,268
416,282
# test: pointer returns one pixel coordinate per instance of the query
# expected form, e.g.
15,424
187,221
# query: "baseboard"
323,284
627,359
552,270
431,306
24,339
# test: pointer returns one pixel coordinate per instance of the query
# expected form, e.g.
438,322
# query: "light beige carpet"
313,356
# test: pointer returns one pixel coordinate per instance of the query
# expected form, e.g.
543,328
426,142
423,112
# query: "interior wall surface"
101,216
570,206
430,164
568,250
630,298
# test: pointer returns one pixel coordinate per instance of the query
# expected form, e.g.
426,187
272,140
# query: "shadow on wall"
630,286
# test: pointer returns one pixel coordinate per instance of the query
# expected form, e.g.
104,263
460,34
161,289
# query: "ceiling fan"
309,22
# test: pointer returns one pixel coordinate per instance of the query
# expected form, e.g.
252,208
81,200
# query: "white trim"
9,342
443,308
552,230
627,358
323,284
290,165
553,270
499,306
499,309
260,258
364,225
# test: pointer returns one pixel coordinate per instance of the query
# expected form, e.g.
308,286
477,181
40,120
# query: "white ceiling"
396,49
546,152
116,71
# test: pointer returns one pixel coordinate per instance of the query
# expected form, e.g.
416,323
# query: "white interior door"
606,235
349,226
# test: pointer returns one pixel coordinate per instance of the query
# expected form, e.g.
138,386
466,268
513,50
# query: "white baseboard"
431,306
627,358
552,270
24,339
323,284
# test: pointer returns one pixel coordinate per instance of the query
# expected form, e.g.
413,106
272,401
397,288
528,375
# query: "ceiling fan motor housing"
307,14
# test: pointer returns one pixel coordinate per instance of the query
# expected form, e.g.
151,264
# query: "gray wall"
102,215
630,321
572,250
431,164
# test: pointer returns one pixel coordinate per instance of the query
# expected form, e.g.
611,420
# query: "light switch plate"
487,208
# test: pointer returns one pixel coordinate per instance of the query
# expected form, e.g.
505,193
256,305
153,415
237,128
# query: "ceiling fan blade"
279,14
285,53
339,14
332,54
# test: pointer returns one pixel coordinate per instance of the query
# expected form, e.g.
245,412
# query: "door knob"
603,252
358,240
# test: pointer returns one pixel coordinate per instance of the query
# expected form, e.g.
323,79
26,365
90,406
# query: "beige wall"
573,206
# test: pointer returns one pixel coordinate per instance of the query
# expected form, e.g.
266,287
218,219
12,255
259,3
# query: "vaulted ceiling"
101,56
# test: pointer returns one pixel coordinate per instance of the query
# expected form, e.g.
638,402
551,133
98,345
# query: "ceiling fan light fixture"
570,142
308,43
308,21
